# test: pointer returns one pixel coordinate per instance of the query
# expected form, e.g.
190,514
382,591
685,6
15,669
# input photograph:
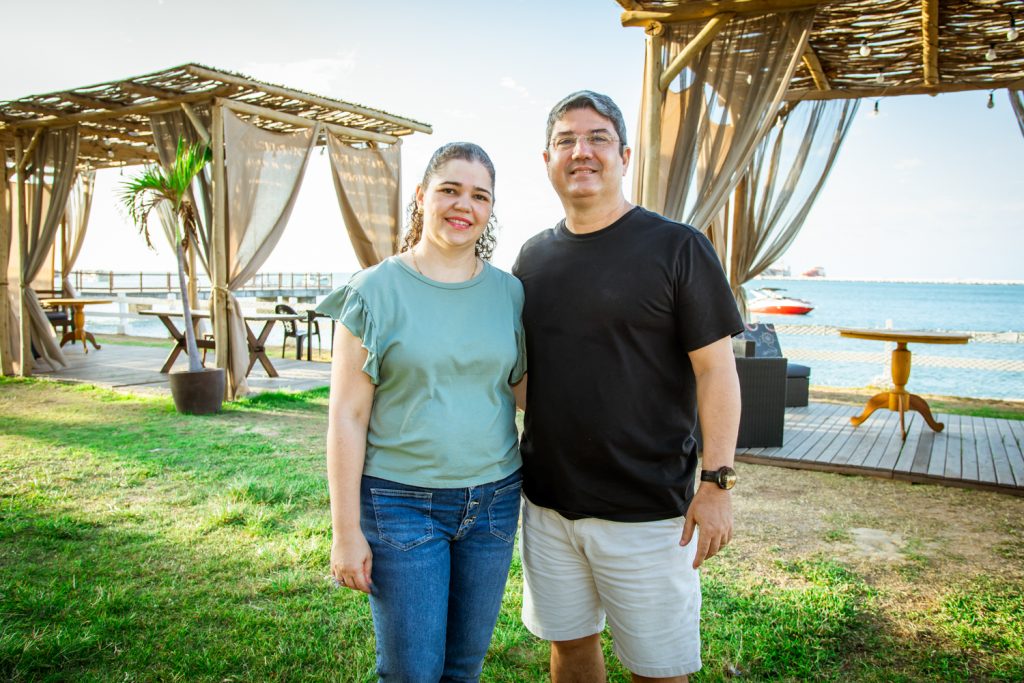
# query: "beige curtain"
1017,104
783,179
367,182
8,321
725,104
51,171
76,221
263,172
168,128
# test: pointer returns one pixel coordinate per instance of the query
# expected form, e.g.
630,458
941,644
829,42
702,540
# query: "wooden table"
256,343
898,398
77,306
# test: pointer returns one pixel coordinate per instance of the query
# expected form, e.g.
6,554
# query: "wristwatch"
725,477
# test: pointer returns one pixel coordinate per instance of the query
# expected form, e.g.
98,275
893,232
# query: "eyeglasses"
564,143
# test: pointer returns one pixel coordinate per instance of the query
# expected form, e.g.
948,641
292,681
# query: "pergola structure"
724,78
47,140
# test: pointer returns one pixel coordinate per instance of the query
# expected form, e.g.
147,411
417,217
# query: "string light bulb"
991,101
880,78
1012,34
865,49
874,112
990,56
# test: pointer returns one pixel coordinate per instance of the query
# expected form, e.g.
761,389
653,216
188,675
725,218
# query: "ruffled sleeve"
347,306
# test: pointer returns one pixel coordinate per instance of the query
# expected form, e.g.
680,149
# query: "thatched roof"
916,46
114,116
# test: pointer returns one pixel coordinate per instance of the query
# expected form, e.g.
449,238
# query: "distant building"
816,271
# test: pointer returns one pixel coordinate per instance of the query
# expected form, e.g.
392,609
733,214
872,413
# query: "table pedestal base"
79,334
900,401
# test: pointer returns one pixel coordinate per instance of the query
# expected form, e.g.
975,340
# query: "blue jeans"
440,562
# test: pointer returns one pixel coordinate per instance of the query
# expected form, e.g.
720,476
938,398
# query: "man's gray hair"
588,99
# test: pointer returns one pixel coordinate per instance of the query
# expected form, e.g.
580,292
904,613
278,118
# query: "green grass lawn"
139,544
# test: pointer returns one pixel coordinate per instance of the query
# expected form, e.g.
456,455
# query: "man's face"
583,159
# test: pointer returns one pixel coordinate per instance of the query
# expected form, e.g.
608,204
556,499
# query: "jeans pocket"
503,512
403,517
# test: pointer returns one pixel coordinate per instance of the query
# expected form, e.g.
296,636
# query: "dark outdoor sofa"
763,395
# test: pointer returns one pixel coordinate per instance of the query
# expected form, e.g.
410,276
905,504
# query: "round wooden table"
77,305
898,398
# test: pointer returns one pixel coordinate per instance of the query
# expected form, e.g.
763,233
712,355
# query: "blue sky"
931,188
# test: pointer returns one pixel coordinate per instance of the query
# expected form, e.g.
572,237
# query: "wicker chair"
766,345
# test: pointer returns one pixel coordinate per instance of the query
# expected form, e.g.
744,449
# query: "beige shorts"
577,572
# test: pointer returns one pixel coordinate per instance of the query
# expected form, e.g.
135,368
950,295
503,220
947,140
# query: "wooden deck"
136,369
971,452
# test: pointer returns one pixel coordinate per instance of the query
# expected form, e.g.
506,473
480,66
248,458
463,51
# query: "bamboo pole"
23,157
653,96
813,65
201,72
930,41
696,11
895,91
218,259
693,48
6,362
293,120
196,122
25,351
148,108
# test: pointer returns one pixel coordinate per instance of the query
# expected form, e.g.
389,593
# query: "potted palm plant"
197,390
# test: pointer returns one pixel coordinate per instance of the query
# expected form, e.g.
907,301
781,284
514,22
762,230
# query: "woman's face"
456,204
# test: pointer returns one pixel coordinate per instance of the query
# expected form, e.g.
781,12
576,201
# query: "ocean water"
994,370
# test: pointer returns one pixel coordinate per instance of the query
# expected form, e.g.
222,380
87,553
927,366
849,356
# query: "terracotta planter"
198,393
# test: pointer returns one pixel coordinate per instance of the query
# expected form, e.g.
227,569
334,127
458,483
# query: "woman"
422,453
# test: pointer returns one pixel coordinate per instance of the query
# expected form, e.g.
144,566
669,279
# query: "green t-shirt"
442,356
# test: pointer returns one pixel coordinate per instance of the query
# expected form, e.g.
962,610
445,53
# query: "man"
628,322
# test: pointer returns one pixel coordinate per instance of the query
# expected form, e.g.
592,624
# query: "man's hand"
711,510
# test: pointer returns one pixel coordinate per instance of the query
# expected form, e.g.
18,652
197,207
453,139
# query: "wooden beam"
147,90
91,102
697,11
305,97
693,48
133,110
36,108
196,122
896,91
218,256
25,349
654,95
6,361
930,41
293,120
813,65
23,159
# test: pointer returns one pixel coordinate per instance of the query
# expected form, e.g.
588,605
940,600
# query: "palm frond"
142,193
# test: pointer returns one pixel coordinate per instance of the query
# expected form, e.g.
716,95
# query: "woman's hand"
351,561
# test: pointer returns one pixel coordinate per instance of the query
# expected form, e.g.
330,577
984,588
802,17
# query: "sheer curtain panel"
367,182
263,172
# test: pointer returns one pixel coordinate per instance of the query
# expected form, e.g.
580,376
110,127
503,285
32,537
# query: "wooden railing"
113,282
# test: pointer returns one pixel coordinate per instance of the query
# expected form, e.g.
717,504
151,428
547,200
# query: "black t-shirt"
611,397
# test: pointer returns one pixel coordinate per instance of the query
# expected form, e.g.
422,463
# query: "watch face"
727,478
